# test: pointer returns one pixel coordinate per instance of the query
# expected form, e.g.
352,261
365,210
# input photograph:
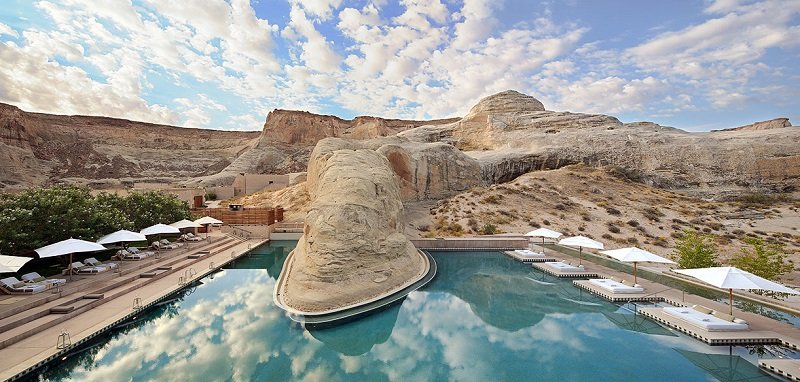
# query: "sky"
224,64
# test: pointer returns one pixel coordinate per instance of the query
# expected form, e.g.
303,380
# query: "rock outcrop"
509,135
777,123
36,149
353,248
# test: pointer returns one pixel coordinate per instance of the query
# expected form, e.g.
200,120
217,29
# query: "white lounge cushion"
35,277
563,267
528,252
96,263
703,320
616,287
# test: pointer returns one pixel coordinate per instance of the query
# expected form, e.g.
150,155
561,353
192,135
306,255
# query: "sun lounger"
35,277
12,285
125,255
616,286
566,267
96,263
165,244
528,253
710,322
190,237
137,251
79,268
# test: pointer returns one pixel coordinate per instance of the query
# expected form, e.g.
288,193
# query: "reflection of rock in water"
359,336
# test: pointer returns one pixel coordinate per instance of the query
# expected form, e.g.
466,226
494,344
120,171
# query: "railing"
470,243
288,227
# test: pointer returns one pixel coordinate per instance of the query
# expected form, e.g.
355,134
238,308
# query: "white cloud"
7,30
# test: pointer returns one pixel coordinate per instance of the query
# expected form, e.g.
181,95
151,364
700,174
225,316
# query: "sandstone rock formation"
509,134
776,123
40,148
353,248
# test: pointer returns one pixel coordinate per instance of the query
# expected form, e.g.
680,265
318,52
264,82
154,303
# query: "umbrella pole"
70,267
730,294
634,272
580,255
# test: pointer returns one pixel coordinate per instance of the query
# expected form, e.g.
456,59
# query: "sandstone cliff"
36,149
776,123
289,136
519,136
353,247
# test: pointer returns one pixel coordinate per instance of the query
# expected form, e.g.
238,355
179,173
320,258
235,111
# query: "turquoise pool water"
484,317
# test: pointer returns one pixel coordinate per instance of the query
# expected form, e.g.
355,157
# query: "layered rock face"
289,136
41,148
776,123
353,247
518,136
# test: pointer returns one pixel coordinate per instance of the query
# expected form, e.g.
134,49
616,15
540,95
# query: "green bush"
211,195
762,259
695,250
37,217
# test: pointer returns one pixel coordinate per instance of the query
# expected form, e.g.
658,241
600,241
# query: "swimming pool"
484,317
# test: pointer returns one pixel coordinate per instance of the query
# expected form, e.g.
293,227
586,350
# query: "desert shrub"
546,222
613,229
489,229
633,223
613,211
762,259
211,195
492,199
424,228
695,250
706,230
632,240
660,242
652,214
586,217
716,226
676,235
560,207
534,224
607,236
678,221
761,200
582,228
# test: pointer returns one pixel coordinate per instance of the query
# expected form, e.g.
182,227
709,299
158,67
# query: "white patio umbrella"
159,229
731,278
544,233
185,224
208,221
635,255
68,247
121,236
581,242
11,264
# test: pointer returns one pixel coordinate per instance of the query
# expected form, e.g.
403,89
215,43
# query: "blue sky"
224,64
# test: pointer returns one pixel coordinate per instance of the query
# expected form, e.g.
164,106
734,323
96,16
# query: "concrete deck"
529,259
31,342
561,274
737,337
647,295
786,368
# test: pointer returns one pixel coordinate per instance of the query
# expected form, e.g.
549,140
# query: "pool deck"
32,331
529,259
552,271
786,368
648,294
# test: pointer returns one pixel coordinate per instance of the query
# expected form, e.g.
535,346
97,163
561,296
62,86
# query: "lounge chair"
12,285
192,237
36,278
137,251
707,319
614,286
528,253
165,244
96,263
126,255
79,268
565,266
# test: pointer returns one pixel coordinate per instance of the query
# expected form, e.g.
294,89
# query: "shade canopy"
581,241
208,220
67,247
186,224
10,264
121,236
734,278
159,229
544,232
634,255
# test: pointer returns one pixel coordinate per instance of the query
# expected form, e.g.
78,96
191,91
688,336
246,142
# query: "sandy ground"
579,200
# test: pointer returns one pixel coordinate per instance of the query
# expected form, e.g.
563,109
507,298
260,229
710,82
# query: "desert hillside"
38,149
602,203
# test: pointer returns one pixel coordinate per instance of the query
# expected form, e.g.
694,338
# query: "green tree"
763,259
151,207
695,250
